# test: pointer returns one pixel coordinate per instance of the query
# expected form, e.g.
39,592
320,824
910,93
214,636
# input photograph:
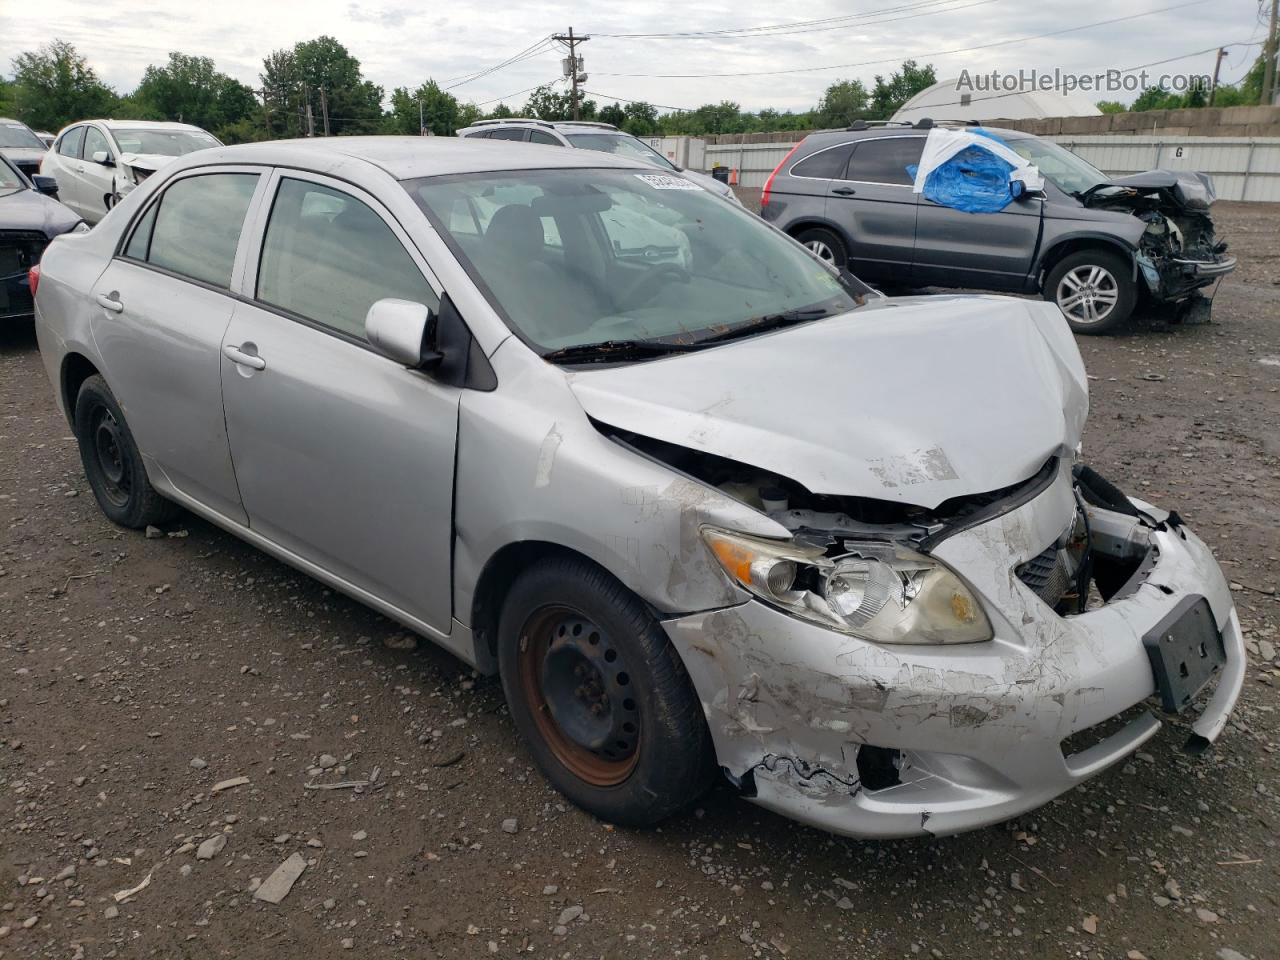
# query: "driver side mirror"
46,185
403,331
103,158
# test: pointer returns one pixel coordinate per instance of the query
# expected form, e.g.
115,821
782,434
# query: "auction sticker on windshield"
662,182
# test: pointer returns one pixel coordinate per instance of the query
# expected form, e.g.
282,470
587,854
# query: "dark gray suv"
1096,245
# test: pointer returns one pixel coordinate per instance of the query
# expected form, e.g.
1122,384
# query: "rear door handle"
108,301
844,191
236,355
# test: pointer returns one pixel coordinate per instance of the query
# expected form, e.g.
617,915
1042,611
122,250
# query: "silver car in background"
702,501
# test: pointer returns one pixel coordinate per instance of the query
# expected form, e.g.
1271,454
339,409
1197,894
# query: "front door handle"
843,191
109,301
238,356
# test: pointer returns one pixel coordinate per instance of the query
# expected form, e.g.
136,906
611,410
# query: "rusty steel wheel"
578,689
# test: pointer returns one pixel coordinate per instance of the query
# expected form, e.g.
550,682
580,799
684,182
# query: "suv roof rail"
501,120
924,123
868,124
587,123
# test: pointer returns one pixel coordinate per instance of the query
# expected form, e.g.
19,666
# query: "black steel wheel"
112,463
600,695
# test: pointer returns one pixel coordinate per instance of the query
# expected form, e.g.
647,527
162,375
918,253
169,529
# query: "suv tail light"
33,279
768,184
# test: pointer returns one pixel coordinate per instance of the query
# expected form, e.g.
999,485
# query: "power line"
535,49
895,59
921,9
485,103
664,106
798,26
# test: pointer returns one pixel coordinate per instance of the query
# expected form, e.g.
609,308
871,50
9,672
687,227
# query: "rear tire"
112,463
600,695
1094,289
825,244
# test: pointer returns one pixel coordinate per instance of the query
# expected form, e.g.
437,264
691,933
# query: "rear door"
162,305
343,457
68,168
872,199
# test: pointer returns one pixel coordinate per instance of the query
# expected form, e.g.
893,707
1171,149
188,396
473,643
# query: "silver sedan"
704,502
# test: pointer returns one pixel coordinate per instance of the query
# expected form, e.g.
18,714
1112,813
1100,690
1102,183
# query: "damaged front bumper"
886,741
1171,279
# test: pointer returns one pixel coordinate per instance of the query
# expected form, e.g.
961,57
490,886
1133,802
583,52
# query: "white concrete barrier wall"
1243,168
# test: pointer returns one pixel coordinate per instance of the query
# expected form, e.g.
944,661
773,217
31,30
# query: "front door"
161,309
985,250
343,457
97,180
874,203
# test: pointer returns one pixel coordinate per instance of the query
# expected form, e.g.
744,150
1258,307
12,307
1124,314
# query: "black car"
29,218
1094,244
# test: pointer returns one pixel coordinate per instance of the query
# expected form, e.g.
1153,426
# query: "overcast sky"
401,43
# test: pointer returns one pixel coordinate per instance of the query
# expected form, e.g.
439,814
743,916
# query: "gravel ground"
138,676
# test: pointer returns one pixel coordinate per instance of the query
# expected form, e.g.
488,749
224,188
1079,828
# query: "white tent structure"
943,101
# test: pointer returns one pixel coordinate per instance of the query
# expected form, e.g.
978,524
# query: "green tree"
191,89
614,114
1111,106
54,86
641,119
437,109
501,112
888,95
314,74
545,103
1156,98
843,102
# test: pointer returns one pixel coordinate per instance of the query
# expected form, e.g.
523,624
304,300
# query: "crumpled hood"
147,161
914,400
28,210
1193,191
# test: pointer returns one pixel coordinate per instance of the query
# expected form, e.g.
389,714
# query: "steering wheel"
646,286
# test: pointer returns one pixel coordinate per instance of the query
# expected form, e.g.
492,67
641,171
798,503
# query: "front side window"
1069,172
94,142
165,143
537,136
13,134
328,257
9,179
69,145
643,257
886,160
196,228
622,145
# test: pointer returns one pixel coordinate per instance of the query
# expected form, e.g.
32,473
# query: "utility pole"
324,110
573,65
420,121
1269,71
311,120
1217,66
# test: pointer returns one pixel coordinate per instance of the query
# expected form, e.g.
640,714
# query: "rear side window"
480,134
508,134
69,145
886,160
537,136
328,257
93,142
196,227
826,164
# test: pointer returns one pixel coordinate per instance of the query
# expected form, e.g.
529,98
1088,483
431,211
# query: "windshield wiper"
770,321
610,350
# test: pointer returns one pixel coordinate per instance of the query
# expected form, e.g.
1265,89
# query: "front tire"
825,244
112,463
600,696
1094,289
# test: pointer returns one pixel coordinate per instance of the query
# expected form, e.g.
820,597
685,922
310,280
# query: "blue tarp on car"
976,179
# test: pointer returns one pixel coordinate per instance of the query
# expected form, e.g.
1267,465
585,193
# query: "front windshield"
17,135
165,143
622,145
1069,173
574,257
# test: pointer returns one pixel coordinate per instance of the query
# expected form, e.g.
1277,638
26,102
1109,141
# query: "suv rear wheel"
825,244
1095,290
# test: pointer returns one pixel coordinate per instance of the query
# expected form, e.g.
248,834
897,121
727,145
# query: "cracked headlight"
881,592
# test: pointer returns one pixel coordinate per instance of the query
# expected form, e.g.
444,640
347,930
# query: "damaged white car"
721,509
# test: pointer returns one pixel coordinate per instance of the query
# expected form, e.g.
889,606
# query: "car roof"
576,126
849,134
146,125
406,158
